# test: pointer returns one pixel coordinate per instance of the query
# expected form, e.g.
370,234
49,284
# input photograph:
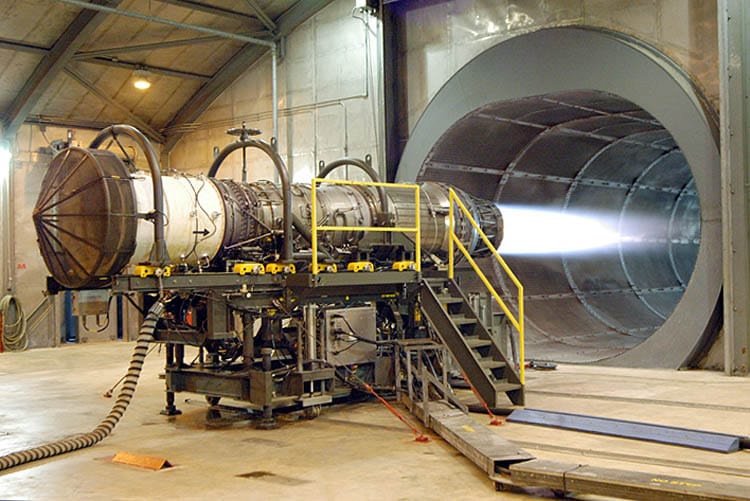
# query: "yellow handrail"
517,322
416,229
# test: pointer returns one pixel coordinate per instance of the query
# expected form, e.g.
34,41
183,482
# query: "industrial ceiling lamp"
141,79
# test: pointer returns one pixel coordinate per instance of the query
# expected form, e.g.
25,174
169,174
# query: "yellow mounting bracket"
249,268
143,271
324,268
286,268
357,266
404,266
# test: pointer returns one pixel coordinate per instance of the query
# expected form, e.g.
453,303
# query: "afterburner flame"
537,231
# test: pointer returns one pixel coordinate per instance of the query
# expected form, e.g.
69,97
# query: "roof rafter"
233,69
212,9
167,44
261,15
159,70
6,43
51,65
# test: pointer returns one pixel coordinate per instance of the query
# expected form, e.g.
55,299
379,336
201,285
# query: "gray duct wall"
437,38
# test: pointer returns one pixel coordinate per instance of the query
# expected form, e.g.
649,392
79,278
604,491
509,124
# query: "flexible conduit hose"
145,336
14,334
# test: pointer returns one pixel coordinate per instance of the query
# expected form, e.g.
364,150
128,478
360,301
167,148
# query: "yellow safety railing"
316,228
517,321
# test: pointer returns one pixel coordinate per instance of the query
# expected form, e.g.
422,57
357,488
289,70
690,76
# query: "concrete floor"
350,452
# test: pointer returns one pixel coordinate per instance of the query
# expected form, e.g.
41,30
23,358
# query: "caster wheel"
312,412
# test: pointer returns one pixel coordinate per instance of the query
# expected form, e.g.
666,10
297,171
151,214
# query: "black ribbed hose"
145,336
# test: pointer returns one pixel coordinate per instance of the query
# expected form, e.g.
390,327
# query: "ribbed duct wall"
597,156
593,123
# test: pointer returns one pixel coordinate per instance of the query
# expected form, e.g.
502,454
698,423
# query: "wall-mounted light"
141,79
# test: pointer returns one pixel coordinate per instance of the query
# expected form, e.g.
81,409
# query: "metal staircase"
475,349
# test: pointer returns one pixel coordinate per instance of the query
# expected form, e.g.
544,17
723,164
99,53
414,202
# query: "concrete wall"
439,37
327,101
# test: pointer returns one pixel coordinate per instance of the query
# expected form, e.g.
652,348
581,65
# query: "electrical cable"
75,442
14,334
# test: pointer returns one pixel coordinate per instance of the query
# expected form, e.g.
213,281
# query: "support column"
734,78
7,257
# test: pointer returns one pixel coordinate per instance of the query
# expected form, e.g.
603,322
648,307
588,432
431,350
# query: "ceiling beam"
167,44
51,65
6,43
158,70
168,22
212,9
261,15
233,69
75,123
132,117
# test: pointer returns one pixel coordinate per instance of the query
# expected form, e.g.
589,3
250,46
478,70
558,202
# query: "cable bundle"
14,331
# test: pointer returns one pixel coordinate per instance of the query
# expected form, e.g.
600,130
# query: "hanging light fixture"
141,79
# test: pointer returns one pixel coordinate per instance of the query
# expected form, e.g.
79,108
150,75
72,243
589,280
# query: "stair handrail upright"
517,322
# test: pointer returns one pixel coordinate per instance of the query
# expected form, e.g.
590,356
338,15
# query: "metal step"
464,346
490,363
462,320
503,386
446,298
475,342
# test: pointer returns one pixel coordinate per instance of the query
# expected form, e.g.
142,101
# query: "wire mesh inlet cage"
86,217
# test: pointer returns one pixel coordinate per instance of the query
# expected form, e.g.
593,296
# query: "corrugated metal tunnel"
595,126
597,156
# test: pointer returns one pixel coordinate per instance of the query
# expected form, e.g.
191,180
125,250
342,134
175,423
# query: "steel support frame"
734,79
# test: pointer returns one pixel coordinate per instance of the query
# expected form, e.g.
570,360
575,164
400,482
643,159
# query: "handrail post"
314,225
418,231
451,230
521,341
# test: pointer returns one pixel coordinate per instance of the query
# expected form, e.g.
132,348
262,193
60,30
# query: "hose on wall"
14,331
145,336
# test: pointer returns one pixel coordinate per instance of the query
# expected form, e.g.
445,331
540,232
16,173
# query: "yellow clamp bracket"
249,268
325,268
404,266
357,266
143,271
286,268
